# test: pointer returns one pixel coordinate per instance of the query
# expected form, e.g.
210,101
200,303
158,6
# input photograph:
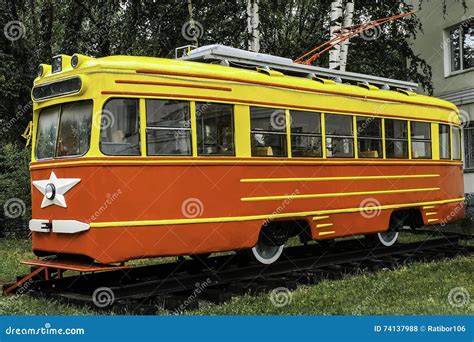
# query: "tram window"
369,137
268,132
444,147
456,141
47,132
168,128
215,129
306,140
120,128
396,138
74,128
420,140
64,130
339,136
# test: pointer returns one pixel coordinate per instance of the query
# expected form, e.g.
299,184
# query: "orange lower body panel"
173,209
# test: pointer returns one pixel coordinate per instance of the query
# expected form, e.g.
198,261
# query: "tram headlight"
40,70
57,64
74,61
50,191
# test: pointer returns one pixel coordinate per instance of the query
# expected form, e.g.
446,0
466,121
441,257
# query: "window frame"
353,136
232,123
302,134
165,128
407,140
440,141
460,129
60,105
283,133
424,140
448,57
139,127
380,139
468,132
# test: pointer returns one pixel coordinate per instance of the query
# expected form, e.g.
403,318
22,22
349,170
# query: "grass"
419,289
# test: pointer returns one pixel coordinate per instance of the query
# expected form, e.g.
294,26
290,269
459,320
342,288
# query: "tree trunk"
253,24
347,21
335,28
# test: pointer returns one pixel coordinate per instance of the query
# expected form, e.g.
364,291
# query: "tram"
140,157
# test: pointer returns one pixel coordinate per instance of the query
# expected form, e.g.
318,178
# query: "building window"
456,141
369,137
306,140
120,128
420,140
168,128
396,138
461,40
469,147
215,129
444,142
339,136
268,132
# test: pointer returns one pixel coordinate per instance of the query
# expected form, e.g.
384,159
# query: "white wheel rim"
388,238
267,254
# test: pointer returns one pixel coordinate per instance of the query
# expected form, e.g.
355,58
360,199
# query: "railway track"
180,285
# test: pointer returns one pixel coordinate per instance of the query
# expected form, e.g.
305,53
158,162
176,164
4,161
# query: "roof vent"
320,79
367,86
266,70
408,91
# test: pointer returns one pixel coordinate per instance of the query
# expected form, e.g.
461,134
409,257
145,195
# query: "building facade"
447,45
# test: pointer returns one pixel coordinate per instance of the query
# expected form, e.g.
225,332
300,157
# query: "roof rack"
242,58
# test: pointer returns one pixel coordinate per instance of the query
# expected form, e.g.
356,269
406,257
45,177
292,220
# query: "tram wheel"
387,238
266,254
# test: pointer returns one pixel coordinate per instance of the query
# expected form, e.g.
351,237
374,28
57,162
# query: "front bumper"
58,226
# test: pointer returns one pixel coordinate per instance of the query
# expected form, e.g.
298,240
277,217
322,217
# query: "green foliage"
154,28
15,190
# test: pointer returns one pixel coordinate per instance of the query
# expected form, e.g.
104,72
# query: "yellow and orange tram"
137,157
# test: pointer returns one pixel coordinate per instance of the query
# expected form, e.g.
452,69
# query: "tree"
155,28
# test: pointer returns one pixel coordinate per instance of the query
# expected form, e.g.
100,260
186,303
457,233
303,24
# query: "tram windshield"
64,130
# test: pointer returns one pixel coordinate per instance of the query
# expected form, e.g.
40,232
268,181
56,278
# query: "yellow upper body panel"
252,86
147,77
